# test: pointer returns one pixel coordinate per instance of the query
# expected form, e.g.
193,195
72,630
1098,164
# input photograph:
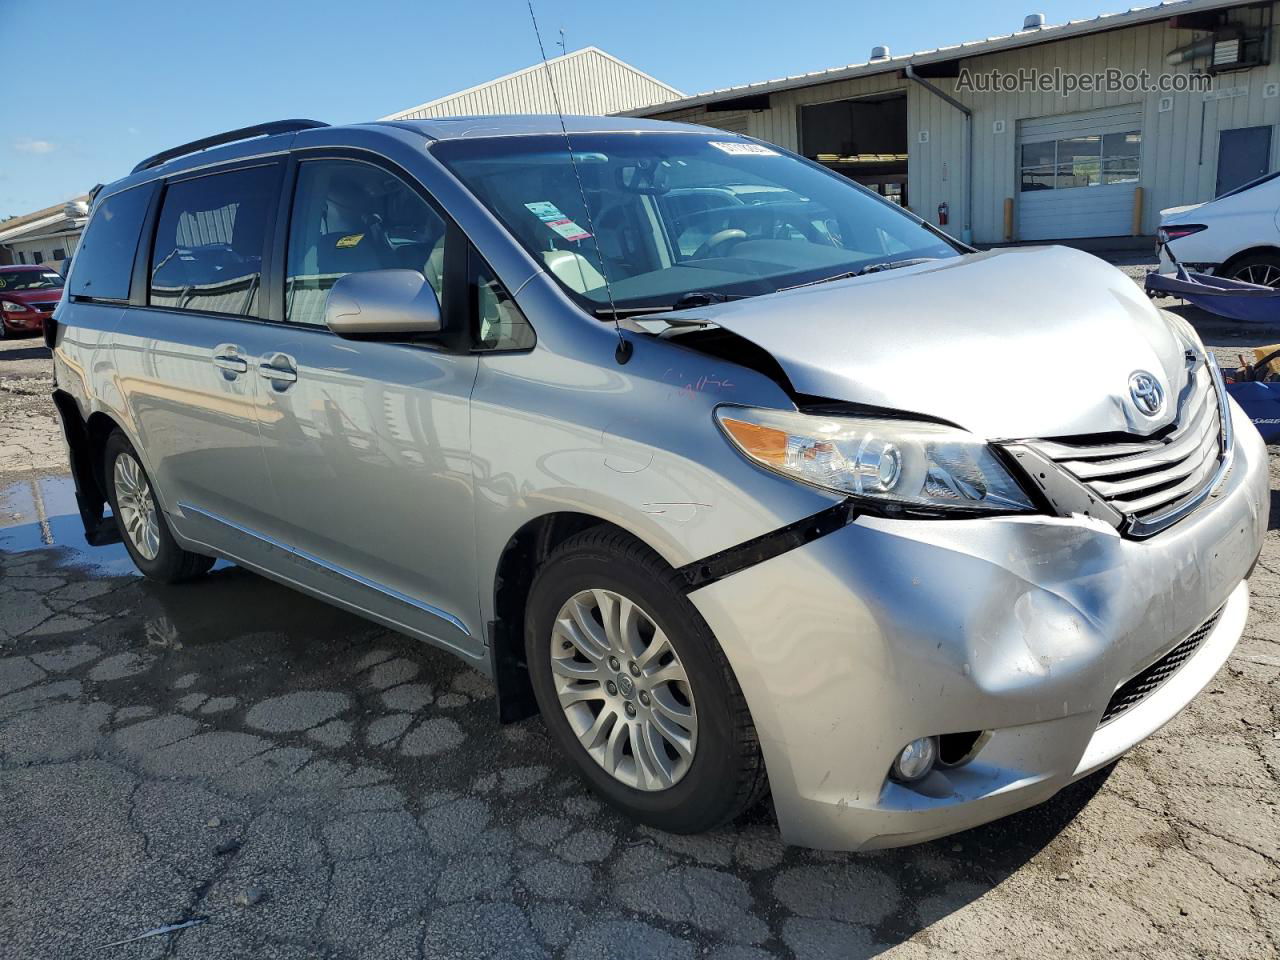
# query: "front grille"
1148,480
1140,686
45,307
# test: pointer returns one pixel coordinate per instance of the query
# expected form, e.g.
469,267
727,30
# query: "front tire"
141,522
635,689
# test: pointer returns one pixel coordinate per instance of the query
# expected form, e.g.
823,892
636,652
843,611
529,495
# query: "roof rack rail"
231,136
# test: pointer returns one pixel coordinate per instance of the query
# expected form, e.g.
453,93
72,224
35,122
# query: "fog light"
915,760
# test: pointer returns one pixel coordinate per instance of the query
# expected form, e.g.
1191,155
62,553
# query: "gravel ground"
298,783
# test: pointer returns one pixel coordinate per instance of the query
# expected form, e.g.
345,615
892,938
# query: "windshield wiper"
694,298
892,265
701,298
813,283
861,272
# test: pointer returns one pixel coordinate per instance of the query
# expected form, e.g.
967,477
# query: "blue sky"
103,84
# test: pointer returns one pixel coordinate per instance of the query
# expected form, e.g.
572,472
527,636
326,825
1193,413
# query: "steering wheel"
717,239
784,226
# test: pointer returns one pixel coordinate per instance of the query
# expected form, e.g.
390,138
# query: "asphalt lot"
306,784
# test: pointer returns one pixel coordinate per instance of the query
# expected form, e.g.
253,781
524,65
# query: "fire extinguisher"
943,211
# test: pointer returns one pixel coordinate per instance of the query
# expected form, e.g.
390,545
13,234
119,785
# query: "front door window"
350,217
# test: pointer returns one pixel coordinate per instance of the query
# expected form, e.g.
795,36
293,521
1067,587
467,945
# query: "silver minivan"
747,479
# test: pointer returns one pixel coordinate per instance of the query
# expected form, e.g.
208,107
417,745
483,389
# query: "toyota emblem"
1148,395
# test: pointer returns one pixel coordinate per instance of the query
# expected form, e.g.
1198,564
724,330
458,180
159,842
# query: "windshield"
29,279
680,213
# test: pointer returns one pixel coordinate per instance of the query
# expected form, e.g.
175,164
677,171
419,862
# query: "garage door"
1077,173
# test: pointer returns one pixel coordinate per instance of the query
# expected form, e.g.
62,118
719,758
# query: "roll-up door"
1077,173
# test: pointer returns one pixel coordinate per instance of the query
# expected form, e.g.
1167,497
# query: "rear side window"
210,238
104,259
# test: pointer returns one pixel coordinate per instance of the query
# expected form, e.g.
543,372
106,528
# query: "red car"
28,295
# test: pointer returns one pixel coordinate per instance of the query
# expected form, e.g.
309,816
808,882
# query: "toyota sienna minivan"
746,479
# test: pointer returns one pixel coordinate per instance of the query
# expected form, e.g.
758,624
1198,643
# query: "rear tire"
1263,268
141,521
687,758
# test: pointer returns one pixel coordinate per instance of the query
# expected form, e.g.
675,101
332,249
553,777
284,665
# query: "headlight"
8,306
896,462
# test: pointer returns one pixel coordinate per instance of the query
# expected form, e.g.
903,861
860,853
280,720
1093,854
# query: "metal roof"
1135,16
587,81
49,221
46,215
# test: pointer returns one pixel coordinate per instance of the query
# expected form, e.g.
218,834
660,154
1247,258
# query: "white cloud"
34,146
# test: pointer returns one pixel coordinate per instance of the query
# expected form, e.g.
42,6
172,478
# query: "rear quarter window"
104,259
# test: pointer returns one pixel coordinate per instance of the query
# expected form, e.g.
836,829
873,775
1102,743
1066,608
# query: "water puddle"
41,514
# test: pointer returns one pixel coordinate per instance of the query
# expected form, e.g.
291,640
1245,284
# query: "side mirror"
382,305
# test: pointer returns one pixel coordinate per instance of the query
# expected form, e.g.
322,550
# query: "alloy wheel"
1266,274
137,507
624,690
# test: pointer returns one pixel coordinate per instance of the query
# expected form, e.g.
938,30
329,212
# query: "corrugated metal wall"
587,81
1180,145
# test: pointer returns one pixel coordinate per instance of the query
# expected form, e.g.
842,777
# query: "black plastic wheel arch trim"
729,561
733,559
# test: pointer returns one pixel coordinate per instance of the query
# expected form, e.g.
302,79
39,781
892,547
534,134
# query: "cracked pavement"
311,785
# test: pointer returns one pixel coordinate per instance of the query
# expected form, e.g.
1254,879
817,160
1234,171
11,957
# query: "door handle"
278,368
226,357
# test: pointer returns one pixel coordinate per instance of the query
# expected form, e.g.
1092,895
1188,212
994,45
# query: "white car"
1235,236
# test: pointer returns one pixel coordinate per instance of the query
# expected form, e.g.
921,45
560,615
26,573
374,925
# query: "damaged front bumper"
883,631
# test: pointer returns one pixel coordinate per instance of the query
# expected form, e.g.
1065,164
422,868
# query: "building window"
37,256
22,257
59,254
1084,161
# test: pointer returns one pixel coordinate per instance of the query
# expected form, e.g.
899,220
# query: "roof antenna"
624,350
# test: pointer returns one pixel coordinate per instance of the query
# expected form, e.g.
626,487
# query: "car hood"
1015,343
49,294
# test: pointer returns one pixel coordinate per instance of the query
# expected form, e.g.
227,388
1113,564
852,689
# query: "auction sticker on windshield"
551,215
742,149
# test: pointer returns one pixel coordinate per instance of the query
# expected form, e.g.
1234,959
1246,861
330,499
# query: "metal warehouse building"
1028,165
587,81
47,236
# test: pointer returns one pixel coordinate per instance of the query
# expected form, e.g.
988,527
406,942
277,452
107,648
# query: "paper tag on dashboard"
568,229
739,149
545,210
